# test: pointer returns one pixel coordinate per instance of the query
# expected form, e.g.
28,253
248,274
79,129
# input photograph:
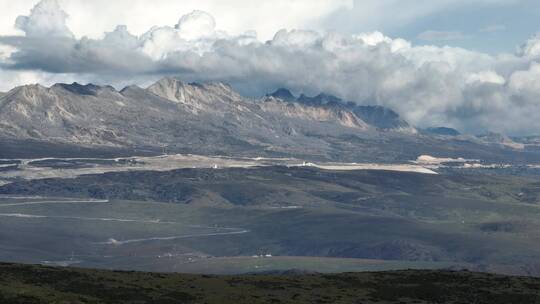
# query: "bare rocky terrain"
213,119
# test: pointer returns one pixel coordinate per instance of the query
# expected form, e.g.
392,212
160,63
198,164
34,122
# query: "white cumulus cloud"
45,19
196,24
428,85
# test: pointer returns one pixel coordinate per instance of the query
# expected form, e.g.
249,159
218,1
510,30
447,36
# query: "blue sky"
491,25
489,28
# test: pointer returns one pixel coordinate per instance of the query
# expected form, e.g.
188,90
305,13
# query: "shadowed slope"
37,284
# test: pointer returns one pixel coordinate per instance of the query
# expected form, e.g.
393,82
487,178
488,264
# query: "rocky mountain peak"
321,99
193,93
29,88
500,139
378,116
26,92
217,87
444,131
84,89
283,94
131,88
168,81
168,88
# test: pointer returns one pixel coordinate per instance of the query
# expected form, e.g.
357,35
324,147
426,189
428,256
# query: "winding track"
54,202
224,230
168,238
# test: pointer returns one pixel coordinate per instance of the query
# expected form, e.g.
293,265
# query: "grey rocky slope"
377,116
443,131
204,117
212,118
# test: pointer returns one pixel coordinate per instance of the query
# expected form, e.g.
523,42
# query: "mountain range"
212,118
376,116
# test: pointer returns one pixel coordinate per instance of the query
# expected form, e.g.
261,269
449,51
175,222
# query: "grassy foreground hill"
40,284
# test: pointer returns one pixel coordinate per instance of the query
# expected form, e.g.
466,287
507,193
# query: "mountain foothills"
212,118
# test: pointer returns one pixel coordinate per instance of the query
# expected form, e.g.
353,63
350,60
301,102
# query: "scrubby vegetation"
39,284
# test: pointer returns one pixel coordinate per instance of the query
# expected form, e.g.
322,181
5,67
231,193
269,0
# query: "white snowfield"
169,238
26,169
29,170
431,160
368,166
54,202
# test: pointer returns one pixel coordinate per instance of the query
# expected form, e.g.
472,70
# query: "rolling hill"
37,284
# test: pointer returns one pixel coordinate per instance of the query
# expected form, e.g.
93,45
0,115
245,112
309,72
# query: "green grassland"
285,264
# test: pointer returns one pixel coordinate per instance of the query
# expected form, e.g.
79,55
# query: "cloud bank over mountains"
427,85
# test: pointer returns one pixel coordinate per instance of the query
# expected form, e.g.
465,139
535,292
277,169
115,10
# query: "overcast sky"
468,64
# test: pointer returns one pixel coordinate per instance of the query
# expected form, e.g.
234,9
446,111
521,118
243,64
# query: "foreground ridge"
40,284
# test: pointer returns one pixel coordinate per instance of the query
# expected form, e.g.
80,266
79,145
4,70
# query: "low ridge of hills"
39,284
